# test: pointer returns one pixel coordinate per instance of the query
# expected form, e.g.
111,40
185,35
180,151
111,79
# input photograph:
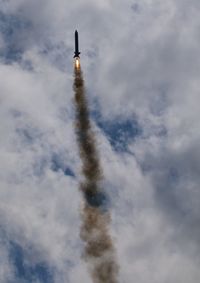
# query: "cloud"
140,61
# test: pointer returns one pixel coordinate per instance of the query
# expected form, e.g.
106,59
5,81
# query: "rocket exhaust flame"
77,63
99,252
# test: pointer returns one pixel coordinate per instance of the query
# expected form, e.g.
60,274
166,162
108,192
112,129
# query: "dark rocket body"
76,52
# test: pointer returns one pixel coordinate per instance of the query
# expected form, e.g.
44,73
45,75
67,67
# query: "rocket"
76,52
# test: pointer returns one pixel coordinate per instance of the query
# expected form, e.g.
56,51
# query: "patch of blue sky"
58,164
27,271
11,29
119,131
55,160
29,135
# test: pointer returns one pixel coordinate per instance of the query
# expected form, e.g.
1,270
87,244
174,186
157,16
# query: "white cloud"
139,59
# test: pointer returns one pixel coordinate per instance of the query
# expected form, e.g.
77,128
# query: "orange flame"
77,63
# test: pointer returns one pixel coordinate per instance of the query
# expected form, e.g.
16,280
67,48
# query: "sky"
141,65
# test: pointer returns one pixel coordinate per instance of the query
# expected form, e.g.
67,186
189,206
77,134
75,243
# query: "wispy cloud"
141,69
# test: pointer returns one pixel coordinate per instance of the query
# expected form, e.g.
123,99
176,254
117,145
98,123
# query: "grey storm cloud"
141,68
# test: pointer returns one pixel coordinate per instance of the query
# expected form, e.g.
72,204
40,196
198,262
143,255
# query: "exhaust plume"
99,252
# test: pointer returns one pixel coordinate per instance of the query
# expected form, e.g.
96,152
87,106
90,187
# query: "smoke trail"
99,251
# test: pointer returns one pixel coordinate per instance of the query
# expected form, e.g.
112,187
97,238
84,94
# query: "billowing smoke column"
99,251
